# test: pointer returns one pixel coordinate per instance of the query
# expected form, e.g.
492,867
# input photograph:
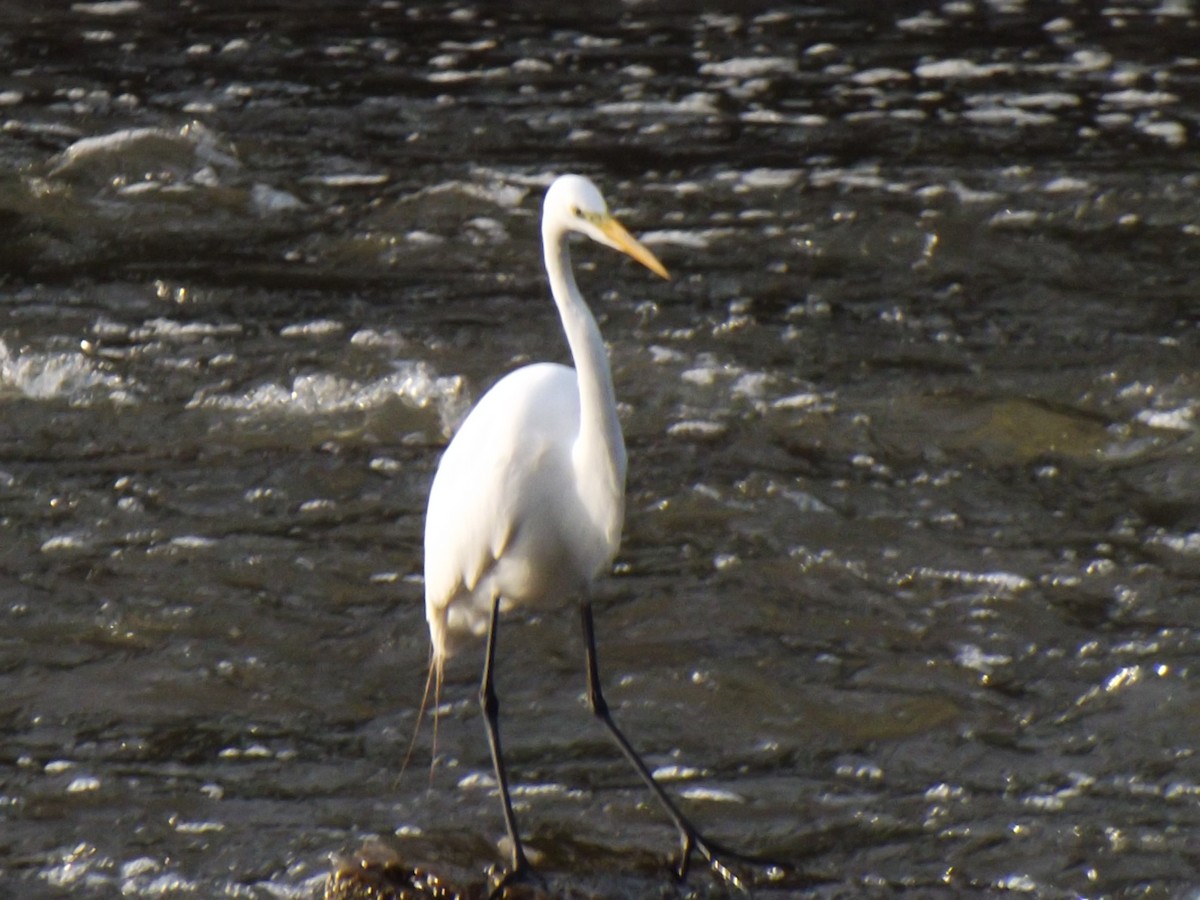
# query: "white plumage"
528,500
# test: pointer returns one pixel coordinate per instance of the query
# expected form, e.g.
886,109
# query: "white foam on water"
677,772
773,117
353,179
1132,98
198,827
83,784
769,179
1013,218
266,200
702,375
193,146
83,866
1003,581
412,383
529,65
193,542
663,355
59,375
750,67
1186,544
1043,100
1007,115
638,72
502,193
972,657
164,329
316,328
476,780
925,21
1066,184
697,428
1173,133
424,238
1090,60
959,69
1182,419
694,240
752,385
804,400
387,339
458,76
941,792
540,790
862,177
699,103
141,866
712,795
107,7
880,75
167,884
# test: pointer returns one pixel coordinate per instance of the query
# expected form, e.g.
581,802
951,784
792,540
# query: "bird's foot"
721,861
519,881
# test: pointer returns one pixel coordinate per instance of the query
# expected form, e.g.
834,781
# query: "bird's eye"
576,212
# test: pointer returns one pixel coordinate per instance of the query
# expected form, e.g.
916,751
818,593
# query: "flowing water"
910,581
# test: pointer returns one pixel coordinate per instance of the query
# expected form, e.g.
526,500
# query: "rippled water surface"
911,573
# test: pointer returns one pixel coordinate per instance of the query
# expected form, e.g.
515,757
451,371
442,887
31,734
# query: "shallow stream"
910,582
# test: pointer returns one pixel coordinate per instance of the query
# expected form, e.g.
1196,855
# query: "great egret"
528,500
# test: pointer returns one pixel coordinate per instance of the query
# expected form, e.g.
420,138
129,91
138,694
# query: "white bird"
528,501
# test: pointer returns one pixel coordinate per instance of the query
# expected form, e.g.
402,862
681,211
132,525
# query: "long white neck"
600,447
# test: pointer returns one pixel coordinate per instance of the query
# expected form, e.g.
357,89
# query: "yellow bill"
628,244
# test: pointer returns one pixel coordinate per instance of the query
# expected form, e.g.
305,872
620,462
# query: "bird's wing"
476,502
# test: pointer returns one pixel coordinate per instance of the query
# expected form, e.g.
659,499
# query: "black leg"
491,714
689,835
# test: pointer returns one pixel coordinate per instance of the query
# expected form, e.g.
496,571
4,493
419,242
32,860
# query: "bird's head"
573,203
